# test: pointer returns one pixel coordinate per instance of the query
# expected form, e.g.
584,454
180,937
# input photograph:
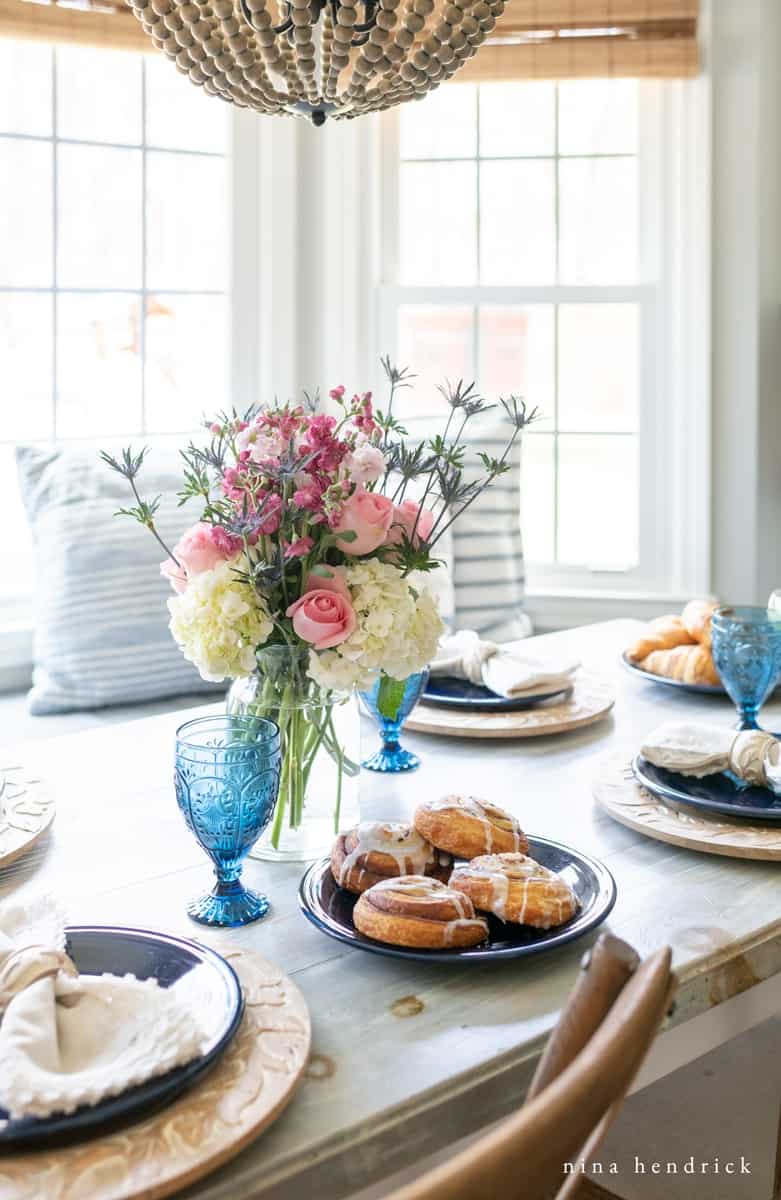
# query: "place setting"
478,688
702,784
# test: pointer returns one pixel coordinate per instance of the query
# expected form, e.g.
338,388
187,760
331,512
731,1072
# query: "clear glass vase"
320,740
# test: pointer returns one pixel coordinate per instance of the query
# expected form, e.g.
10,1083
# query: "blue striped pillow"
101,622
487,547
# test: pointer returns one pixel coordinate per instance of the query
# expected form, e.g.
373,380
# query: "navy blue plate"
96,949
722,793
448,692
330,908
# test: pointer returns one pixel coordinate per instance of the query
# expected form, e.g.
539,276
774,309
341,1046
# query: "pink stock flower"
270,505
368,516
299,548
323,618
364,418
337,392
404,517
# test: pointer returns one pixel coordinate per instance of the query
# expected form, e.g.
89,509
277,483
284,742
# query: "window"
114,257
525,251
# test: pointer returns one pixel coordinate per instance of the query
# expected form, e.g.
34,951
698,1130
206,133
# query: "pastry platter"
329,908
96,950
589,700
446,691
721,792
619,794
701,689
168,1150
26,811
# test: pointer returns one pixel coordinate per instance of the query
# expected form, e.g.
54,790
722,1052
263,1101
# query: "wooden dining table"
409,1056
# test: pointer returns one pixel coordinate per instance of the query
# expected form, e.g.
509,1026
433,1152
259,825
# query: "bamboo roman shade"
107,23
569,39
533,39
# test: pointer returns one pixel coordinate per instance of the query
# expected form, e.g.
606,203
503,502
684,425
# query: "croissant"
688,664
663,633
696,618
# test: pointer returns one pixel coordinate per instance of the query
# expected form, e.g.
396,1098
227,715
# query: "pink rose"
404,517
323,618
175,575
335,582
369,517
200,548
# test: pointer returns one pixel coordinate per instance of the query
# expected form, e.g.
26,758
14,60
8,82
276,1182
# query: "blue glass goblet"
746,644
227,780
389,703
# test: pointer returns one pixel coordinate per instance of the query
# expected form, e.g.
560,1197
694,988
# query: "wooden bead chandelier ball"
318,58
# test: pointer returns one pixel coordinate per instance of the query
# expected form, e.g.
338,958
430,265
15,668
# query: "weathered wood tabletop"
407,1056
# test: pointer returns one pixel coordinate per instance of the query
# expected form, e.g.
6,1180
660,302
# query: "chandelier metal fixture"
318,58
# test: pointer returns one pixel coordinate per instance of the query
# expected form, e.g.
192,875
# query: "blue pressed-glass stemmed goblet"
389,703
746,643
227,780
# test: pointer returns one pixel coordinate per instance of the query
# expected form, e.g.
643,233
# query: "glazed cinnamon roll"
466,827
418,912
517,889
377,850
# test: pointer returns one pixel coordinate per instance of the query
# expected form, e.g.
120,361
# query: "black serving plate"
446,691
97,950
330,908
721,793
701,689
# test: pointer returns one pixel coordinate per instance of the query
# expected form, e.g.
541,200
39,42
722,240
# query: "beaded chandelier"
318,58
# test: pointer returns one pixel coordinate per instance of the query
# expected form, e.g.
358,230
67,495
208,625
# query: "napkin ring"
26,965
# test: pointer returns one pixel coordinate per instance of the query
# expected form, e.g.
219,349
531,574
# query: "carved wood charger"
590,699
26,811
247,1090
617,792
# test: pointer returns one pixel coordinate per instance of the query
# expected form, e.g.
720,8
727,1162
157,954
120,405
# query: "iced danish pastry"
377,850
465,827
420,913
517,889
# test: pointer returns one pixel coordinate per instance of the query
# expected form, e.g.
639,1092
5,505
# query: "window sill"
565,609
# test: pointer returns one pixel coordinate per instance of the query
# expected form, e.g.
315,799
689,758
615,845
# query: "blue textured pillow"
101,622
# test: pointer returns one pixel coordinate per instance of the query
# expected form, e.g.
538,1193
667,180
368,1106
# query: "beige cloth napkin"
510,670
68,1039
699,749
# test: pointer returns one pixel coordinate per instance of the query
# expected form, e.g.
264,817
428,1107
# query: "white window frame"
252,174
673,165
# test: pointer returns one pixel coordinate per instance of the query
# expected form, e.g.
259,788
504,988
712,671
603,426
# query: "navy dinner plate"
446,691
330,908
117,951
721,793
701,689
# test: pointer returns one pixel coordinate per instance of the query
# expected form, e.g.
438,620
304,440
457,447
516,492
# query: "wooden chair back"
601,1039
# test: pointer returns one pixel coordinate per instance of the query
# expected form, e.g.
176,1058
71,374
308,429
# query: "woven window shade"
107,23
577,39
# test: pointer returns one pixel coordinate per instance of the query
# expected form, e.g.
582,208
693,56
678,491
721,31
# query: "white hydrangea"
398,628
218,621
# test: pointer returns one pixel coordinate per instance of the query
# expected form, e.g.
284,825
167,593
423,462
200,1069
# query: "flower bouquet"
306,576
